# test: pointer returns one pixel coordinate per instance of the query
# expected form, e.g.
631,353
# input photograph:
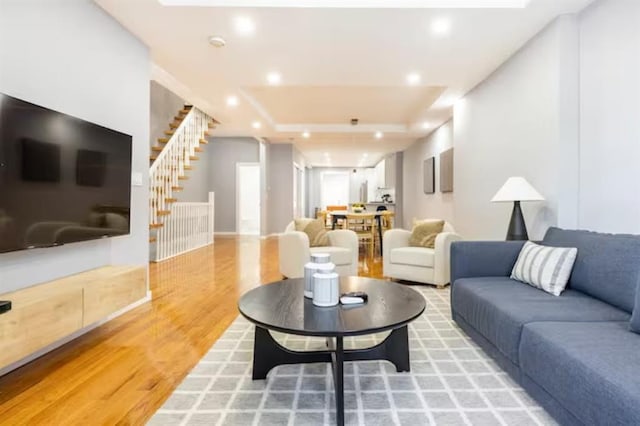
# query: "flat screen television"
62,179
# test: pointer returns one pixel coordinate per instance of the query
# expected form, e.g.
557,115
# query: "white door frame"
238,166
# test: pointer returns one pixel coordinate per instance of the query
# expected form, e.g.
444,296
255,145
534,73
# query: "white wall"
418,204
610,116
521,121
72,57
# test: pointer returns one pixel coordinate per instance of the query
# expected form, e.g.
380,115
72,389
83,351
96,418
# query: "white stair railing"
166,170
188,227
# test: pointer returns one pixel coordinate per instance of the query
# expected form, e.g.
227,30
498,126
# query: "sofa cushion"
607,266
413,256
498,307
590,368
339,255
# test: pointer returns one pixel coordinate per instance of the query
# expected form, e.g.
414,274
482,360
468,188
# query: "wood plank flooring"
121,372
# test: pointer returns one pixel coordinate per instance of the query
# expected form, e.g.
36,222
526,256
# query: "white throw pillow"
543,267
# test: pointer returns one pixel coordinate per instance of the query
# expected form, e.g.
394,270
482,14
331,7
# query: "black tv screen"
62,179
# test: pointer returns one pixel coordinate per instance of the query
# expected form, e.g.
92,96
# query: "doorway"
334,189
248,198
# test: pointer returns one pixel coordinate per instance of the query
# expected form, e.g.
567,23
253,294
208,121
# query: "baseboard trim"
74,335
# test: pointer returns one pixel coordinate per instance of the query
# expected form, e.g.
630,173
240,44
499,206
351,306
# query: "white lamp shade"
517,189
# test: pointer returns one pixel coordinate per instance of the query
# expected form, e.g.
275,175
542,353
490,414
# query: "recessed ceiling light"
256,124
273,78
217,41
426,125
306,135
378,135
441,27
244,25
232,101
365,155
413,78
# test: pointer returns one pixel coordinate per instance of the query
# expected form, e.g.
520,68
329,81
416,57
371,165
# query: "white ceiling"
336,63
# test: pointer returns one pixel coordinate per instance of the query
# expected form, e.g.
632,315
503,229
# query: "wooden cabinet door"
39,316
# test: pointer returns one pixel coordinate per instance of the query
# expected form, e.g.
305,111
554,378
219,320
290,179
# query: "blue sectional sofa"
574,353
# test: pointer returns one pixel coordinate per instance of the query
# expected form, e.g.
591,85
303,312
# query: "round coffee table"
281,306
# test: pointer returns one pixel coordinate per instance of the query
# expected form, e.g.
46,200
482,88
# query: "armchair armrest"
293,249
442,264
483,258
394,238
347,239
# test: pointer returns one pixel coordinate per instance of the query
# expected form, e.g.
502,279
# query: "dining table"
342,214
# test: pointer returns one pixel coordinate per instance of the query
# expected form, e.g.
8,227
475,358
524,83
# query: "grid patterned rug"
452,382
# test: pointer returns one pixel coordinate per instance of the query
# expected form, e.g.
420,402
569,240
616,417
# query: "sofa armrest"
347,239
483,258
293,249
442,263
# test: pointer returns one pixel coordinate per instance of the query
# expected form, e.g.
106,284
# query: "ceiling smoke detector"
217,41
354,121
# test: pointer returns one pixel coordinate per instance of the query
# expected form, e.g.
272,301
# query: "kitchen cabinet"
380,174
385,172
390,171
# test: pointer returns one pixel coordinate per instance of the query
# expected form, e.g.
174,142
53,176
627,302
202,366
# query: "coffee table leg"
339,381
337,366
267,354
398,348
395,349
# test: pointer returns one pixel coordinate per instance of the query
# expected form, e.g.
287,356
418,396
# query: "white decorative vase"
326,289
320,262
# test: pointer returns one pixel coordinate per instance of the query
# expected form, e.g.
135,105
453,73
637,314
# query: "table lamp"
517,189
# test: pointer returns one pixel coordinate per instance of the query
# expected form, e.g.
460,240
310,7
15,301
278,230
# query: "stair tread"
163,140
155,225
204,141
156,148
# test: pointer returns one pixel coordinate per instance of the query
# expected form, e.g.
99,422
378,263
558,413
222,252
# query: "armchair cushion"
424,233
315,230
413,256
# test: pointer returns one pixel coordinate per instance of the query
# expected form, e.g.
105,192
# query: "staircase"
171,158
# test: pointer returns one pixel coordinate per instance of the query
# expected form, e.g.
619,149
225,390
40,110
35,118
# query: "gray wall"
419,205
279,187
220,159
164,106
108,86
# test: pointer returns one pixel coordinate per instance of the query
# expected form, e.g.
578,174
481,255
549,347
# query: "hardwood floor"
121,372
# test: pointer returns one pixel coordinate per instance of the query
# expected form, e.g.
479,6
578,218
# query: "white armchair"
295,252
418,264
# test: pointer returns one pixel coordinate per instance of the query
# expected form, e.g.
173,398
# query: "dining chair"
364,225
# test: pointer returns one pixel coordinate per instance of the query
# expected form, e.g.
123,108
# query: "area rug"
452,382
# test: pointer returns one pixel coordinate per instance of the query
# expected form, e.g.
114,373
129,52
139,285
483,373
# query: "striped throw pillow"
546,268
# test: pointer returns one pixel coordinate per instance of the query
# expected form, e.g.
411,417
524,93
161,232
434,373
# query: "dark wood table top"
281,306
